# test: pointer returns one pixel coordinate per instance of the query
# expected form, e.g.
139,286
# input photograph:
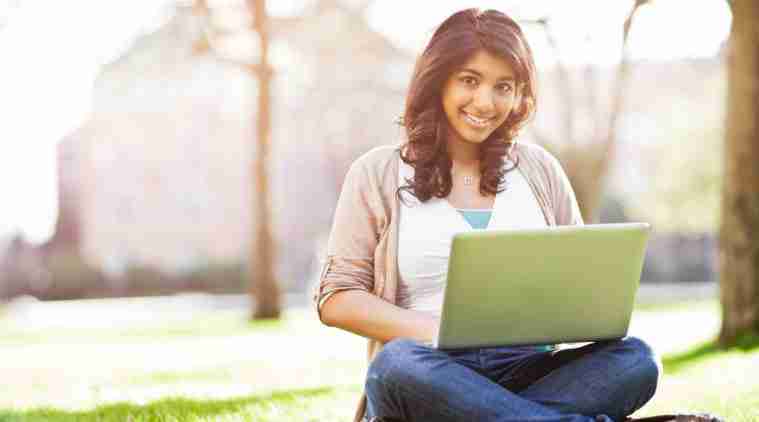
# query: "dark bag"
680,417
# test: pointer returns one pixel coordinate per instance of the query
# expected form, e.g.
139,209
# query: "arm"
344,297
367,315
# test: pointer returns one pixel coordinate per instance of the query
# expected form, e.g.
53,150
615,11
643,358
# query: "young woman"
461,169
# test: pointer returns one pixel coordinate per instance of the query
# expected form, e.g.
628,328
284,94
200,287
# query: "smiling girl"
459,169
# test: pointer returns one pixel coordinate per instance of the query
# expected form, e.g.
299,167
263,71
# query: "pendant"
468,180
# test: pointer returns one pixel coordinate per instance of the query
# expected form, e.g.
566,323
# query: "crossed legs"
598,382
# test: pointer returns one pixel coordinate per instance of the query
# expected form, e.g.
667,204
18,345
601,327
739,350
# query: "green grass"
218,367
303,405
710,351
707,378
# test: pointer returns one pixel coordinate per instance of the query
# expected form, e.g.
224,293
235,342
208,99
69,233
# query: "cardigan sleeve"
566,209
349,264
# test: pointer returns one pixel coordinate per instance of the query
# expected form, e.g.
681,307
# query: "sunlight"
49,79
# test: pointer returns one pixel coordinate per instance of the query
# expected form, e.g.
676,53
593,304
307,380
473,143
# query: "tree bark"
264,288
739,230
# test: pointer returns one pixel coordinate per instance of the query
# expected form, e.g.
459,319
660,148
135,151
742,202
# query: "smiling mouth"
476,121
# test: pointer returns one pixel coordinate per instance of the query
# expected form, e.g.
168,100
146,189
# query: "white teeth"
476,121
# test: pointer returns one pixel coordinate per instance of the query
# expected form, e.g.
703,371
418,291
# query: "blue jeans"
602,381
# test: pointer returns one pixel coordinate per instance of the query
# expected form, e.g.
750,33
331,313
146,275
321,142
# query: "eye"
504,88
468,81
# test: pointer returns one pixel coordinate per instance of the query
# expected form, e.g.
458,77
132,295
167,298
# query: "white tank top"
426,232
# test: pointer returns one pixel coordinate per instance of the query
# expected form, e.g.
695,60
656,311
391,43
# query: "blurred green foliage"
686,169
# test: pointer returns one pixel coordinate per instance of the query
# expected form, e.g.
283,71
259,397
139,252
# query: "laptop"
554,285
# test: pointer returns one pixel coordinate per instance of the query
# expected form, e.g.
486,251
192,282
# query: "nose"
483,101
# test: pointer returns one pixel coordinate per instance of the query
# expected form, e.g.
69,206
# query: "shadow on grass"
170,409
678,362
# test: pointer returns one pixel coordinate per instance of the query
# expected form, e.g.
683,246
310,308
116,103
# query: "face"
478,97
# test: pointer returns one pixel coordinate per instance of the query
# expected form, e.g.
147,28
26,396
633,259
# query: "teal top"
478,219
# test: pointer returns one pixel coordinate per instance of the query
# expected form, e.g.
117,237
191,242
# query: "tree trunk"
739,231
264,289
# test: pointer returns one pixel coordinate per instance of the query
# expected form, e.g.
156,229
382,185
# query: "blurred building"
340,92
163,161
162,172
160,176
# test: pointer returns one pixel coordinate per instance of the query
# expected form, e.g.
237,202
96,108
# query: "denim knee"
646,355
393,365
648,368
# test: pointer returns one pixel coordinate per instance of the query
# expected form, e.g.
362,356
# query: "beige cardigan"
363,243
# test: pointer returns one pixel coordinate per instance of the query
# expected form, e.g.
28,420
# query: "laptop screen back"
542,286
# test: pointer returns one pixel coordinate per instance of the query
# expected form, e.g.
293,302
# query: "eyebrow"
505,78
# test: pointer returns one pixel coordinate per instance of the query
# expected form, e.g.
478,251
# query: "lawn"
217,367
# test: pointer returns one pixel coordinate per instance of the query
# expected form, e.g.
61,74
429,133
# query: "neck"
463,154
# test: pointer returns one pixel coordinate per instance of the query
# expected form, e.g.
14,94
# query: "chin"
476,138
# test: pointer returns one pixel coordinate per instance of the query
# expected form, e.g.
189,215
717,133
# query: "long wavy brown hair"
454,42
